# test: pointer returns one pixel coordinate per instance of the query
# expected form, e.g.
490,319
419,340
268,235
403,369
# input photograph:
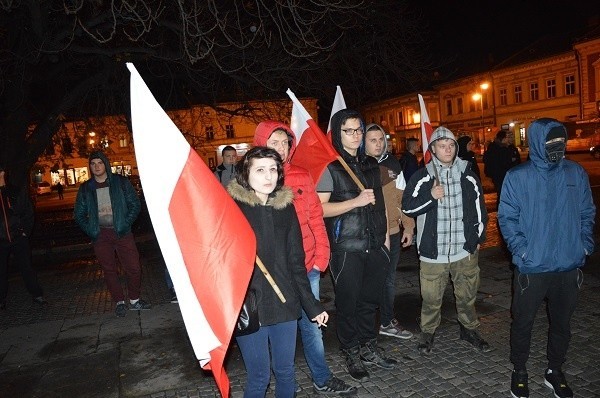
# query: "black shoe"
555,379
173,297
354,365
40,300
518,384
121,309
426,344
472,337
335,386
370,354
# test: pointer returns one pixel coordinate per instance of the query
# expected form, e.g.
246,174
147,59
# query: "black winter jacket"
279,246
16,213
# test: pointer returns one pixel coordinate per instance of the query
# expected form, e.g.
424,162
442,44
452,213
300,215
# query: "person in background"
60,189
105,208
280,137
225,172
546,216
465,152
16,224
408,161
447,199
393,183
356,225
497,160
268,206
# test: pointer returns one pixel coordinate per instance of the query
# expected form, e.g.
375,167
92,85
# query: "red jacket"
306,201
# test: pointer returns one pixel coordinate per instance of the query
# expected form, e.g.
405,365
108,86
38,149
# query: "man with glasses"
356,223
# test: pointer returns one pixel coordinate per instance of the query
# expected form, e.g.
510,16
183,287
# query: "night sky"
480,33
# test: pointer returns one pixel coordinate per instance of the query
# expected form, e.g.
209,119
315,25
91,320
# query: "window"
473,105
210,133
229,132
122,141
484,101
400,119
534,92
550,88
449,107
518,94
459,105
503,97
570,85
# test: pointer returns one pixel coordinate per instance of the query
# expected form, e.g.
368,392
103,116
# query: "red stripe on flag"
219,250
314,151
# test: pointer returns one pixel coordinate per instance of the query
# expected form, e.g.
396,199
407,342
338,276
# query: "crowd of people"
353,222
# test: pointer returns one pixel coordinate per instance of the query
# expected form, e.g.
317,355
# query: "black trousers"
530,290
21,252
359,279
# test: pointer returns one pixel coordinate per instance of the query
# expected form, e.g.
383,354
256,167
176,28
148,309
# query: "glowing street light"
478,96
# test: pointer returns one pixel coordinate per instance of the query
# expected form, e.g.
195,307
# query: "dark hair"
228,148
242,168
500,135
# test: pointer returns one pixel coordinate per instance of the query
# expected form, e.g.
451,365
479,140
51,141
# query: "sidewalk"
77,347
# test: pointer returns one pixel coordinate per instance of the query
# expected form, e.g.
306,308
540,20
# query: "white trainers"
395,330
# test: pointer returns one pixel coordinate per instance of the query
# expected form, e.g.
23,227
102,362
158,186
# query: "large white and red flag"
338,104
313,151
207,244
426,130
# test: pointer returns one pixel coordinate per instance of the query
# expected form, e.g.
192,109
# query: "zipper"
450,213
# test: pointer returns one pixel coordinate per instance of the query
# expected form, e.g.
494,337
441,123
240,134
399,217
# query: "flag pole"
270,279
352,175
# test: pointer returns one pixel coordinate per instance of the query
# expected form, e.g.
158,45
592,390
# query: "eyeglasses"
351,132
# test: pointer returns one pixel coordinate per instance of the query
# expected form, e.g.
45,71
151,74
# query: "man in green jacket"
105,208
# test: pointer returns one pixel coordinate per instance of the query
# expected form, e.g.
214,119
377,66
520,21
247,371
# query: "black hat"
556,132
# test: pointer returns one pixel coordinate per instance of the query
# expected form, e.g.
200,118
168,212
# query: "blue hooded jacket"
546,211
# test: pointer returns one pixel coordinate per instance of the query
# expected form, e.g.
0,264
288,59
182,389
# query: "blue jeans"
389,289
312,338
255,353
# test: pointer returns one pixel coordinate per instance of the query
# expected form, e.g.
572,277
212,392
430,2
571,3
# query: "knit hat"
442,133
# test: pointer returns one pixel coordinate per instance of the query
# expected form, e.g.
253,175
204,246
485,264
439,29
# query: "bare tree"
65,58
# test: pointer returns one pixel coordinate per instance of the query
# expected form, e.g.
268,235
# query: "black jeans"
561,290
359,279
21,252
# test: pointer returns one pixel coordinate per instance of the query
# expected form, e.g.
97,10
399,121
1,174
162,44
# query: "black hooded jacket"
362,228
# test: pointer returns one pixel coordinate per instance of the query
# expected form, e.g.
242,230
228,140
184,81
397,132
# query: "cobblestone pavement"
77,347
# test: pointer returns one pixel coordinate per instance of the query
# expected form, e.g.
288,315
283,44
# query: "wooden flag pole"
267,275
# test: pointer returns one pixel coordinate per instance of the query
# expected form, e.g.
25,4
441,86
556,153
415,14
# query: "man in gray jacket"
446,198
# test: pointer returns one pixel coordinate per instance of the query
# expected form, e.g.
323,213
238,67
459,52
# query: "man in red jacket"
308,207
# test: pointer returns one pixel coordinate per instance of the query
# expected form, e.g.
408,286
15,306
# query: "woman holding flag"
268,205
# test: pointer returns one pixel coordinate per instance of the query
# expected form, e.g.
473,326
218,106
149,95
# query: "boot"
354,366
472,337
426,343
370,354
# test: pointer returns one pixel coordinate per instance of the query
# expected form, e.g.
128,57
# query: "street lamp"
478,96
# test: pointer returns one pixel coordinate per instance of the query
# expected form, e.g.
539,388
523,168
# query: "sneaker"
472,337
40,300
354,365
426,344
555,379
335,386
395,330
370,354
174,297
121,309
518,384
140,305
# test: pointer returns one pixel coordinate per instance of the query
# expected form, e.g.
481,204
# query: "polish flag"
426,130
338,104
313,152
207,244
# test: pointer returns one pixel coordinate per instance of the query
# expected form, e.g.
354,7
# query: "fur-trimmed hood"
279,200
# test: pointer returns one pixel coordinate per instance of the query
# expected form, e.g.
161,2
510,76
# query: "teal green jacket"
123,198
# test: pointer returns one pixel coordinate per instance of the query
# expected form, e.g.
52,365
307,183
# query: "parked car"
42,188
595,151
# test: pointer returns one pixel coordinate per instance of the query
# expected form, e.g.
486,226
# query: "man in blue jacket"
546,216
105,208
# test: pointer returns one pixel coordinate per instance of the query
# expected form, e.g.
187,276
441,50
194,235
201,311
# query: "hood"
337,120
438,134
278,200
265,129
537,132
462,145
100,155
385,153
